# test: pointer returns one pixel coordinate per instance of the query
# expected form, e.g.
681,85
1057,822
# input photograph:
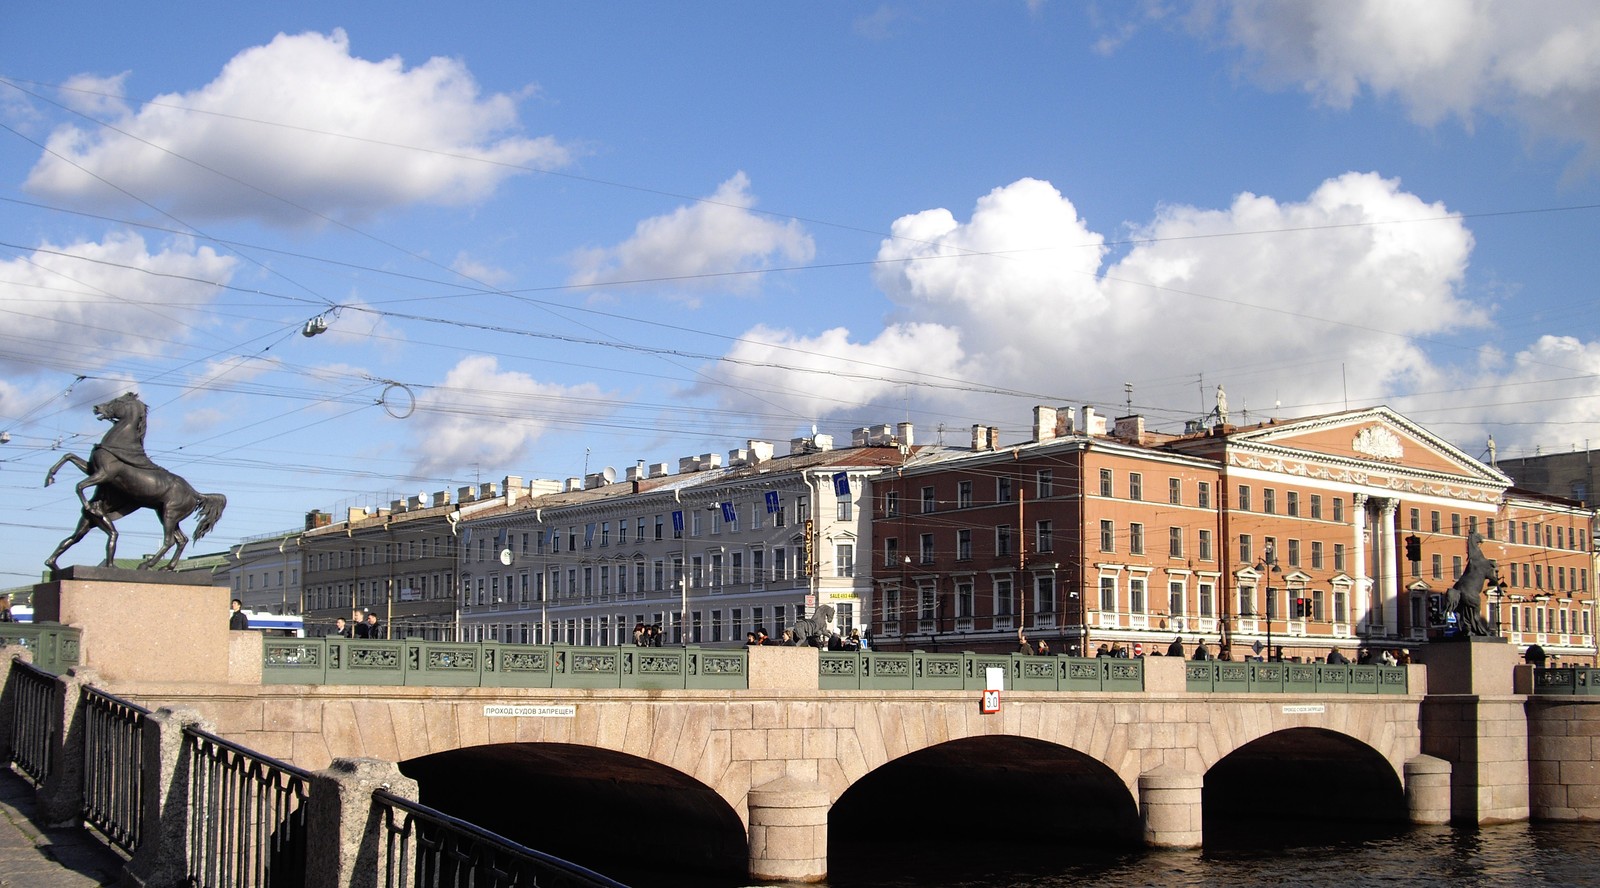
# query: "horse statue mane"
125,480
1465,598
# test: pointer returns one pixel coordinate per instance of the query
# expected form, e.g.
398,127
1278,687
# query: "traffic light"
1435,610
1413,548
1302,608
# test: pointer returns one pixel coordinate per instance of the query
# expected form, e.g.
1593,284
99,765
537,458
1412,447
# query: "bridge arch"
615,812
1291,785
1054,799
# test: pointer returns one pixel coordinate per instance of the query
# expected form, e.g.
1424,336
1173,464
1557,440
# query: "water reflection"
1515,854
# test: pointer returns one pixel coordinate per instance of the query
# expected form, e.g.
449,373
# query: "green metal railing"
55,647
1253,677
966,671
415,662
1580,681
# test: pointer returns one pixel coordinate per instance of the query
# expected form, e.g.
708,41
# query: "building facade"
264,573
706,554
1337,531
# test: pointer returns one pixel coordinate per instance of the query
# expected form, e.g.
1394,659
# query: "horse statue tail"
211,506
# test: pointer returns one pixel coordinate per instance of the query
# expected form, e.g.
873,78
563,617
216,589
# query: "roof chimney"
1044,423
903,432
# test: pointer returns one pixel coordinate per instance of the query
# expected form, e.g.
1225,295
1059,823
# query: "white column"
1361,607
1391,569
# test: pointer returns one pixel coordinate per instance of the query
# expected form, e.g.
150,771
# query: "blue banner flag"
677,522
772,502
728,515
841,484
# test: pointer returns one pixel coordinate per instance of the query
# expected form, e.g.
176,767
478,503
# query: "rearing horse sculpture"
125,480
1465,598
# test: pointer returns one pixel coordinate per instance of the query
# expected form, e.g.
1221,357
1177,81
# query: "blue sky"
567,236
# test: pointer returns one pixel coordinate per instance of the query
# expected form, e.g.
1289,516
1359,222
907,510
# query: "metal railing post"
61,795
344,837
164,794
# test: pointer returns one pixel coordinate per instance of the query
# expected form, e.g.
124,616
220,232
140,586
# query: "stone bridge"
775,778
771,763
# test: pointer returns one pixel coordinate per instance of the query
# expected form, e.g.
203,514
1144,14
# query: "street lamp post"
1268,565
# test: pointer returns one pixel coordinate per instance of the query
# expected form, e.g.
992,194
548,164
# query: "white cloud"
1265,296
479,272
1536,62
85,305
482,415
257,141
716,238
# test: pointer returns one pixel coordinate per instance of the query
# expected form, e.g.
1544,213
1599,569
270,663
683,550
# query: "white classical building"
707,553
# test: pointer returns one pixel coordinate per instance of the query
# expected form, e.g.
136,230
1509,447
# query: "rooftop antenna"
1127,393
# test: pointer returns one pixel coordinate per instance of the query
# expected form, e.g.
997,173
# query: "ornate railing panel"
247,816
113,766
966,671
1581,681
424,847
344,661
55,647
1255,677
35,719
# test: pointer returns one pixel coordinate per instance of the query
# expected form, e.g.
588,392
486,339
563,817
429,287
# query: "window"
928,502
1316,507
1205,545
1293,503
1294,553
1108,536
1175,598
926,599
1002,540
844,560
1108,594
1135,486
964,598
1244,498
780,563
891,552
1044,594
891,503
1416,519
1434,521
1207,594
1269,501
1245,554
1105,482
1044,483
1136,539
1316,554
1438,567
736,568
1455,523
1338,509
964,495
927,548
843,511
1136,602
1174,542
1002,596
658,528
1202,494
964,545
1044,536
1175,491
1338,556
1002,490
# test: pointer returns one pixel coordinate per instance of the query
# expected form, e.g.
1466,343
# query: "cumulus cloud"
1268,296
1538,63
81,306
480,414
717,238
292,130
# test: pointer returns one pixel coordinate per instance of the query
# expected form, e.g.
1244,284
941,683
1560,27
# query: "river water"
1516,854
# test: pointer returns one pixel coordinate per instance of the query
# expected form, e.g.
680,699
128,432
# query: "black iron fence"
113,766
35,719
247,815
425,848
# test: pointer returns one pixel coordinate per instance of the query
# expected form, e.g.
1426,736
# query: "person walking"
236,616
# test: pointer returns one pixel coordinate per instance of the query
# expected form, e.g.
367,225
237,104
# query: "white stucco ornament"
1379,442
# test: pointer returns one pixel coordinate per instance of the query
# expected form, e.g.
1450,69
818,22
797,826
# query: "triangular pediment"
1377,437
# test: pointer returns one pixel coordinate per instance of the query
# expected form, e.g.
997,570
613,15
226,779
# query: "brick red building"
1287,533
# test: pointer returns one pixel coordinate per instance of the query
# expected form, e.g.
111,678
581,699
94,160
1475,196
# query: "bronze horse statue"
1465,598
125,480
